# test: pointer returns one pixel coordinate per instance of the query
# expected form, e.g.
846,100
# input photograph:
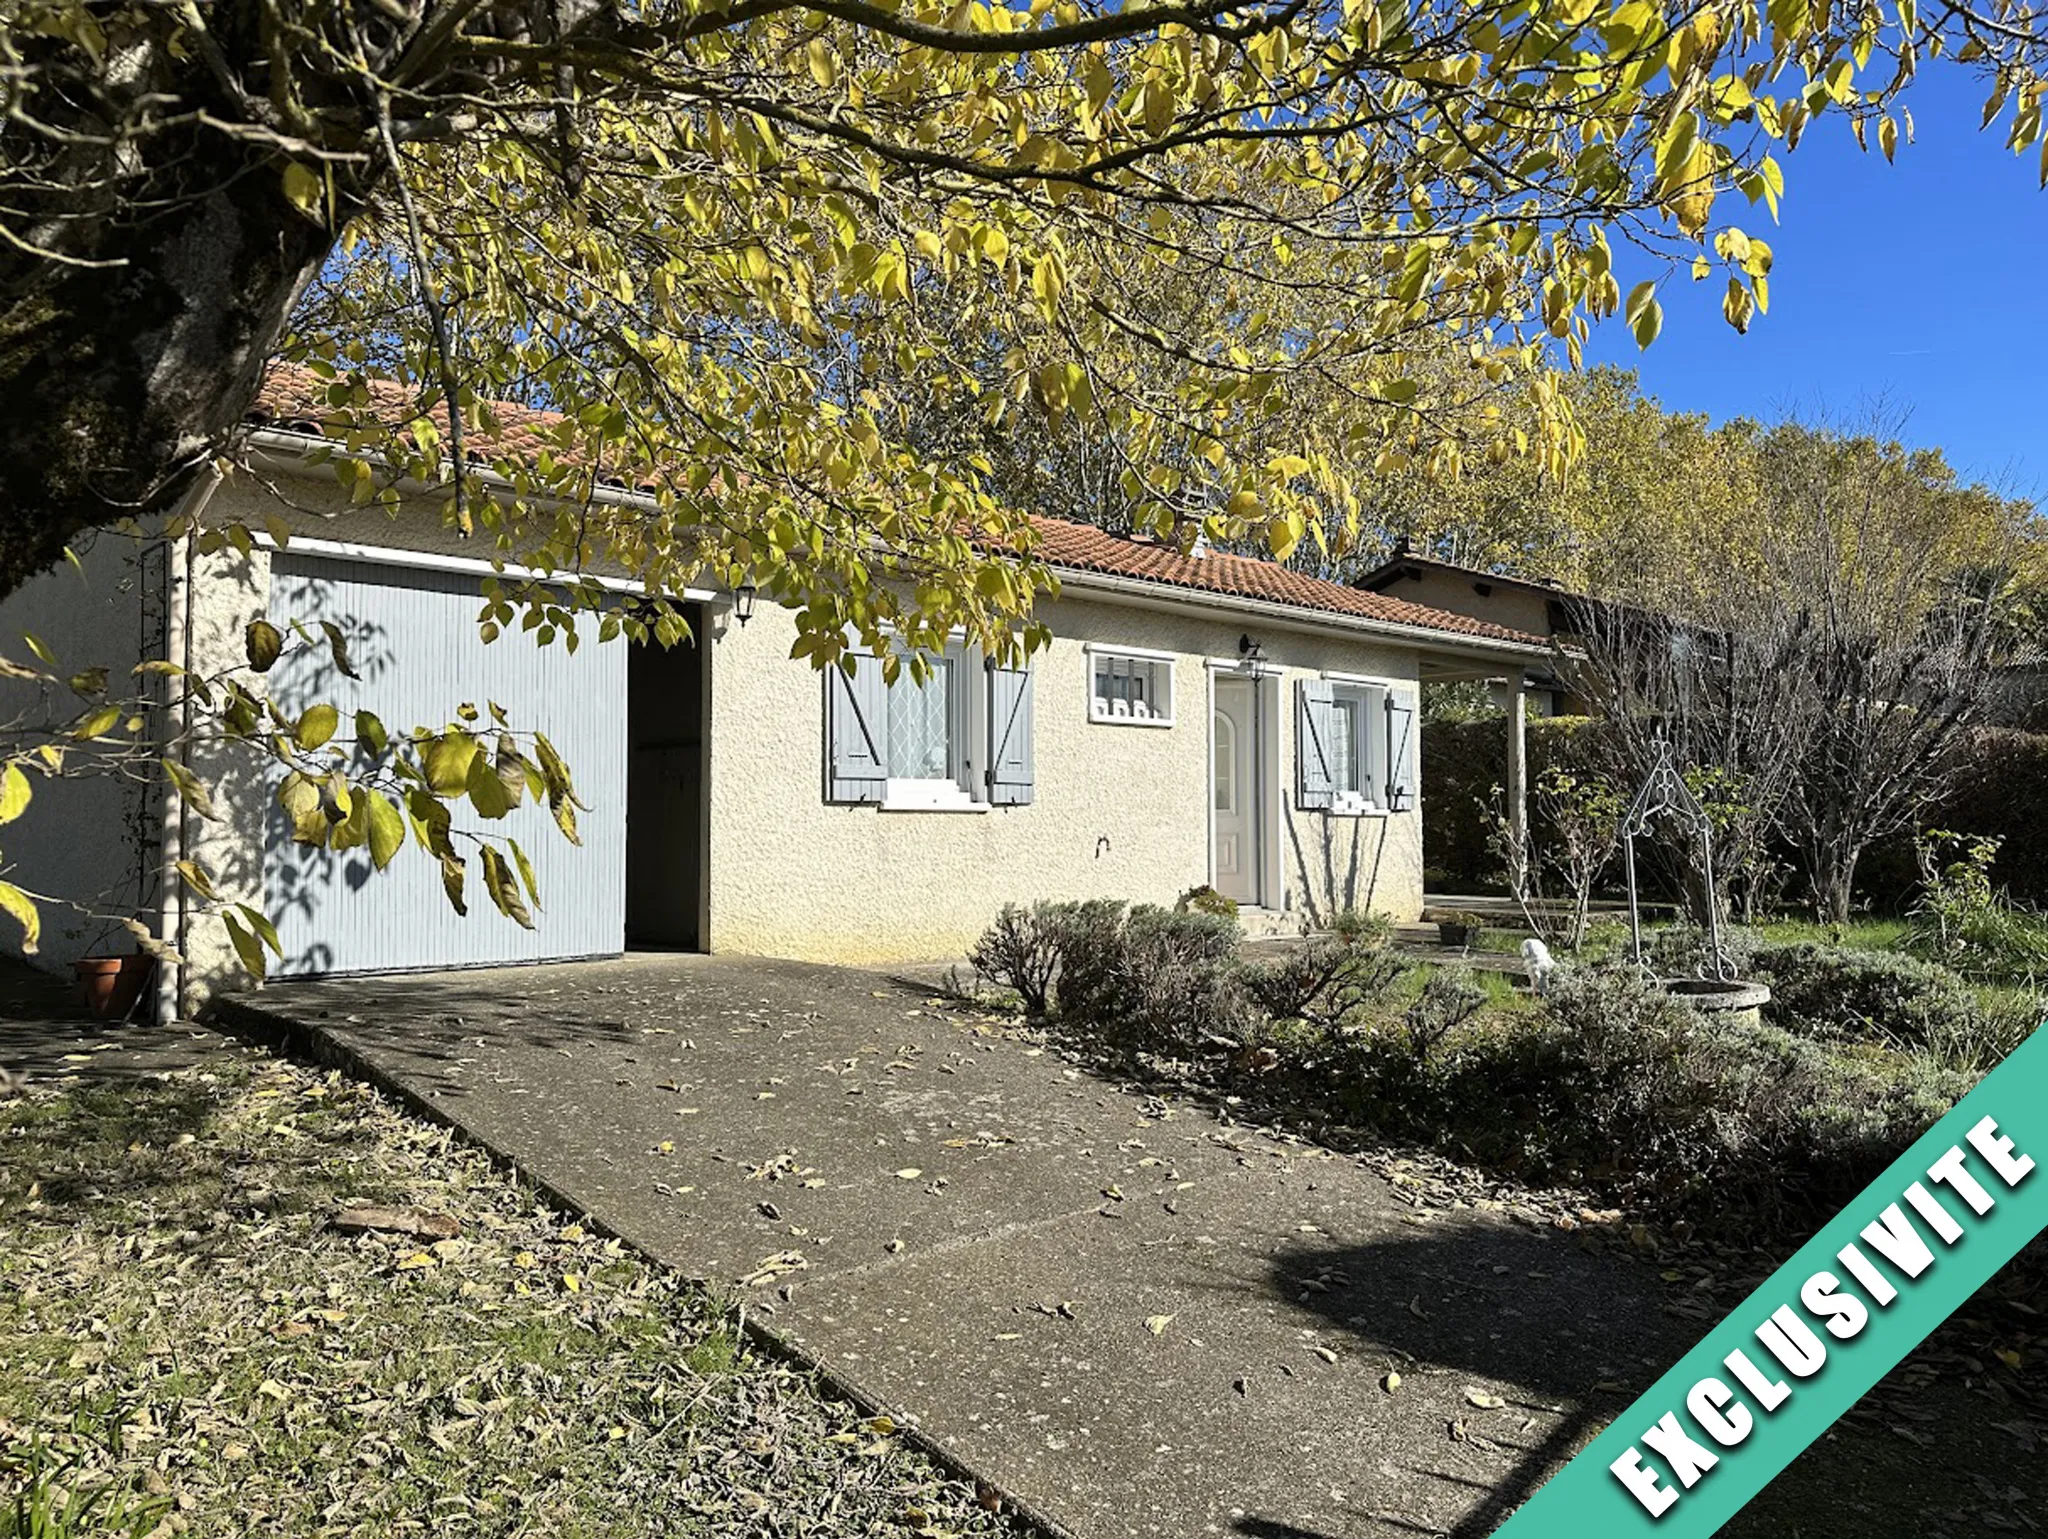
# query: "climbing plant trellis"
1664,795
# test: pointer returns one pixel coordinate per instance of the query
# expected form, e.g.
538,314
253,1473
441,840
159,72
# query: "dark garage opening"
667,807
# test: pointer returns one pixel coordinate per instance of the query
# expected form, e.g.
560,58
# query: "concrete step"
1267,923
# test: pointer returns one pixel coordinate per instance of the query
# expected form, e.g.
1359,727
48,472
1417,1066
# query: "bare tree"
1816,667
1719,691
1900,599
1552,879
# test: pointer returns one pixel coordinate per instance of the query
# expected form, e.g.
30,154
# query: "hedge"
1462,764
2001,789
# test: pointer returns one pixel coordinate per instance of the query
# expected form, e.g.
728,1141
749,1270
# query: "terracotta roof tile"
294,399
1084,548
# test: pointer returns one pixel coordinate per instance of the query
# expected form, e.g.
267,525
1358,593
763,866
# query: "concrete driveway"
1131,1316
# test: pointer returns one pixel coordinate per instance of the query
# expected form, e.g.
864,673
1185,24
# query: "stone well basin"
1736,998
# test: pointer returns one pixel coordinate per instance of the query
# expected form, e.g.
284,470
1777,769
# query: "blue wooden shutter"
1314,721
1009,736
1400,751
856,718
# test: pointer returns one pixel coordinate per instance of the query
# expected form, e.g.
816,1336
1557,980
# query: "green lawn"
1857,935
182,1325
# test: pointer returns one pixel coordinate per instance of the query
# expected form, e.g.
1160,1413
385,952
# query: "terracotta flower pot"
111,985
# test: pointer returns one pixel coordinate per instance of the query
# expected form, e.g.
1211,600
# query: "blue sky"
1925,282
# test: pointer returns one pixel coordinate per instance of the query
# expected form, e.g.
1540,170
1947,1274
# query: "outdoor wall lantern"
743,602
1250,650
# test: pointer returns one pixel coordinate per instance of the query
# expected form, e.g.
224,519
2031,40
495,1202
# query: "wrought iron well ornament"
1665,795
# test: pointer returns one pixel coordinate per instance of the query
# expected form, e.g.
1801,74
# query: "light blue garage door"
412,637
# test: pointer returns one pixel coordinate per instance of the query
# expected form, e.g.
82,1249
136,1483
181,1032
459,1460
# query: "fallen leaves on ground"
181,1318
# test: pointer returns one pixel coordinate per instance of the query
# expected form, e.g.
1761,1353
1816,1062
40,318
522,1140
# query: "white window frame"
966,726
1161,665
1368,697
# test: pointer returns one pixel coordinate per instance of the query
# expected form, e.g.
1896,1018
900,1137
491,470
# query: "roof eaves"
1167,594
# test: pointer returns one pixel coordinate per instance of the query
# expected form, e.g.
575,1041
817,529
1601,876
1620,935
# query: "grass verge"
193,1347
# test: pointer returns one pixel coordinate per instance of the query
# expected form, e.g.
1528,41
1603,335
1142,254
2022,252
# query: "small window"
1341,740
956,739
1130,688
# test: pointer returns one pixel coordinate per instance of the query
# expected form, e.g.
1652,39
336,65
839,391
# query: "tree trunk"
1832,877
154,261
121,380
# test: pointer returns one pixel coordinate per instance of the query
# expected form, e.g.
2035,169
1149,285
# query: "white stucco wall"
227,592
1118,811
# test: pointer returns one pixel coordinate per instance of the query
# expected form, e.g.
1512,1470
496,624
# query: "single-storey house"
1197,719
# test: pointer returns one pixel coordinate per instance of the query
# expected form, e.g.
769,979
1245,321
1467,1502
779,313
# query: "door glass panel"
1225,774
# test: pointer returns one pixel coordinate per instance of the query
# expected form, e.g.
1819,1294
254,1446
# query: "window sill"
1356,809
1104,719
929,796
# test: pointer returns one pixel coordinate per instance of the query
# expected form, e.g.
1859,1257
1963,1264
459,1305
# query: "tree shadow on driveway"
1513,1341
1525,1310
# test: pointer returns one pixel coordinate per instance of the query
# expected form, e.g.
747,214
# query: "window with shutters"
927,727
957,739
1351,748
1130,688
1355,746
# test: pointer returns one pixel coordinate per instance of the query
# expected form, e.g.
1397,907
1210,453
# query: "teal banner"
1816,1337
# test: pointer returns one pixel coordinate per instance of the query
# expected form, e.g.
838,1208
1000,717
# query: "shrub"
1363,927
1829,991
1619,1084
1207,900
1142,978
1860,1113
2002,1020
1963,921
1324,980
1664,1088
1681,951
1171,984
1091,945
1022,951
1688,1106
1450,997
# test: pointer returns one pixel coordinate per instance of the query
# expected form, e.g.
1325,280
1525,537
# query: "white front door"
1234,790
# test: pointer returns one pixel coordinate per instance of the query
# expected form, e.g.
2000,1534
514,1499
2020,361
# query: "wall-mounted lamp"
1250,650
743,602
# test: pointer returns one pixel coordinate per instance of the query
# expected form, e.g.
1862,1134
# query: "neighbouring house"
1203,718
1533,606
